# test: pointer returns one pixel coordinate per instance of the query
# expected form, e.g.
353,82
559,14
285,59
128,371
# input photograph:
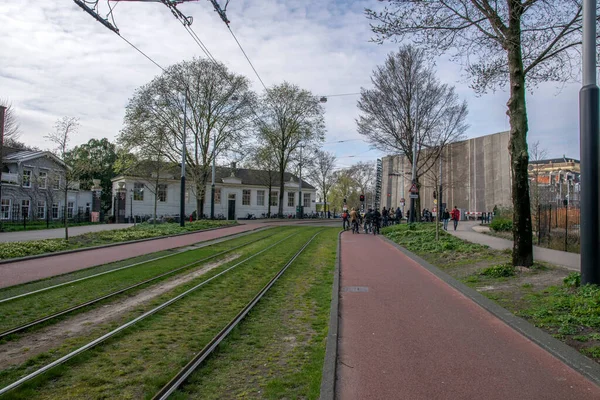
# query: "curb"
104,246
327,391
568,355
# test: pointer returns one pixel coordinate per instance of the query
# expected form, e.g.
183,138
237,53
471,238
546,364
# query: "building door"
231,206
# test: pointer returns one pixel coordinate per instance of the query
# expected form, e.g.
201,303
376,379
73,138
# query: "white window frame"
5,213
70,209
161,192
27,173
260,197
306,199
42,209
28,202
291,199
138,191
246,195
55,210
56,182
43,178
274,200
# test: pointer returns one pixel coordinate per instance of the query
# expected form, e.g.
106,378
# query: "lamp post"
300,211
183,151
2,117
131,205
589,126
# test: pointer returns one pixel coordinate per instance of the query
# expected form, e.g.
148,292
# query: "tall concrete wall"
475,176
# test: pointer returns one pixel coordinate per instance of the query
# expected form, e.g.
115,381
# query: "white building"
238,192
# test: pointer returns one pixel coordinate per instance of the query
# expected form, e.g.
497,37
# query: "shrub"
499,271
573,280
501,224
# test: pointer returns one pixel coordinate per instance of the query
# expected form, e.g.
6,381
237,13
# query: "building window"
306,199
70,206
245,197
26,178
56,182
275,199
260,197
187,195
25,208
217,195
162,193
55,212
138,191
5,209
43,180
291,198
41,209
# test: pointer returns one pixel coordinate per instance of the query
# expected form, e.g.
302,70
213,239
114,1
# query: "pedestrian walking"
455,214
445,218
345,219
398,215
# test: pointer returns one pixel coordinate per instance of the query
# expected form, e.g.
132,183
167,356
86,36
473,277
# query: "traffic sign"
414,196
402,200
434,201
413,188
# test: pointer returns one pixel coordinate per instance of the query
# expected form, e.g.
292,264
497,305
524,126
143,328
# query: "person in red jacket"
455,214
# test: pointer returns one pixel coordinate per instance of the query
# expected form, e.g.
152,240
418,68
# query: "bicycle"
355,227
375,228
368,227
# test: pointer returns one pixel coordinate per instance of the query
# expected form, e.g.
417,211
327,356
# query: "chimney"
233,169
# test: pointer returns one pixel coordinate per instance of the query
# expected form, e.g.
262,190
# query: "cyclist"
354,220
368,219
376,220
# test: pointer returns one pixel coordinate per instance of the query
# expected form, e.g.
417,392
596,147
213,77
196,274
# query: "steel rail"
186,371
212,242
102,338
109,295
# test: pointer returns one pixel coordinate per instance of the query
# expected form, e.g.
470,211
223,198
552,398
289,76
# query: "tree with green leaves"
498,42
263,160
218,105
95,160
64,130
321,173
287,118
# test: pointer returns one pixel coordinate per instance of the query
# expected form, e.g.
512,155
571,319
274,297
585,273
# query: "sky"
56,60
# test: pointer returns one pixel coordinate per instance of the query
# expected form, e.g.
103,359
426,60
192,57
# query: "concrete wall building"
475,176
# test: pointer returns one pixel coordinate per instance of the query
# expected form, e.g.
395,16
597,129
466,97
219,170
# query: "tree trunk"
281,187
66,208
517,113
269,202
156,196
199,202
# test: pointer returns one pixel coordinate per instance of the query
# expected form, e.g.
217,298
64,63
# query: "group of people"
373,219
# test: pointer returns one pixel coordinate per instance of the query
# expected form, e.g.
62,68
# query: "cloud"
57,60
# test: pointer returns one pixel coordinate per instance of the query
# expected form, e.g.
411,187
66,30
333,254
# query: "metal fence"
558,226
19,216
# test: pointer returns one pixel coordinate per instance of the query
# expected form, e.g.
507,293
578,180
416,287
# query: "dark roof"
555,160
6,150
256,177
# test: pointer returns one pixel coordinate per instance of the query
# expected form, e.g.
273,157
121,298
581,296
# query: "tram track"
193,247
119,329
193,364
69,310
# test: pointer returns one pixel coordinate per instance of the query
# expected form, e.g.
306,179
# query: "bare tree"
321,173
216,122
288,117
536,154
64,129
364,174
408,104
498,42
12,128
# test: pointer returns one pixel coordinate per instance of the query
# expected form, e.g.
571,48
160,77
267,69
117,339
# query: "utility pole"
414,177
438,214
183,151
2,121
589,126
212,185
300,213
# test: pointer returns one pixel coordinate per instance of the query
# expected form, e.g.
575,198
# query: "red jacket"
455,214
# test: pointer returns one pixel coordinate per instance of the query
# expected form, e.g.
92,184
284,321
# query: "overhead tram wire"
247,58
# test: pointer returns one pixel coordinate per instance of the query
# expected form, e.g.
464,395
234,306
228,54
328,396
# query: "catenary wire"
245,55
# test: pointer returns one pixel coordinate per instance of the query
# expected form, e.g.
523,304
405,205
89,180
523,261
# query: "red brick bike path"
31,270
412,336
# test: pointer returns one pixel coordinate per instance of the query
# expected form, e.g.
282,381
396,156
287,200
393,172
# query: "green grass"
137,362
22,310
141,231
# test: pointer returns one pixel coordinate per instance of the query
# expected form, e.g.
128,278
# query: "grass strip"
137,362
277,352
140,231
547,296
23,310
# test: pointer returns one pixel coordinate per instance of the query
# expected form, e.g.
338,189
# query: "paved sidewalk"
465,231
31,270
25,236
406,334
